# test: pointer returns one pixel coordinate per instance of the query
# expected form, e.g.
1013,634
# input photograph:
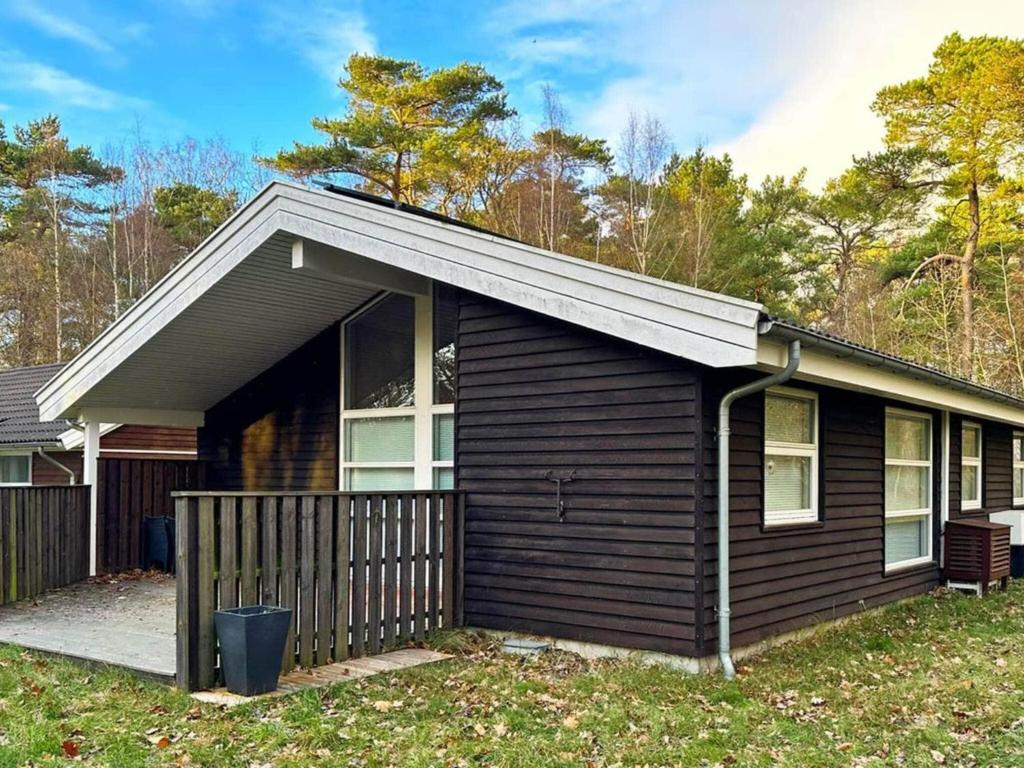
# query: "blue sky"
778,85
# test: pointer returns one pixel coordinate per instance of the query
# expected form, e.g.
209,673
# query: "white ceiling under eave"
253,317
238,304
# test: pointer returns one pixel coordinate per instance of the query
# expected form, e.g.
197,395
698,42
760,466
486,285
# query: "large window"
790,457
1018,469
908,488
397,423
971,466
16,469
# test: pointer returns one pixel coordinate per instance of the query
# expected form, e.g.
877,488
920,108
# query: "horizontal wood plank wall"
279,432
997,468
164,442
130,490
44,473
536,396
782,580
44,535
362,573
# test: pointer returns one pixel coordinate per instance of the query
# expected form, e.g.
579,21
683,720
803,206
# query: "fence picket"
358,575
307,597
324,580
343,578
390,570
289,541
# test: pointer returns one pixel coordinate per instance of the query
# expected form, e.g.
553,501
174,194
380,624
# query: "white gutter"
724,430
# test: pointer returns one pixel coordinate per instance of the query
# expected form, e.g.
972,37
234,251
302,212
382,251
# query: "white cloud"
60,88
60,26
779,86
848,53
323,35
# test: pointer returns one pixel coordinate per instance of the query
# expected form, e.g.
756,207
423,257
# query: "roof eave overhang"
715,330
848,366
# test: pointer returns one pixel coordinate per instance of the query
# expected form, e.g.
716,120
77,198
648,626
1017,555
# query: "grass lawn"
936,681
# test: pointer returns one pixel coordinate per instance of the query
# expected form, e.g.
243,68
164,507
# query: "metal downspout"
724,431
46,457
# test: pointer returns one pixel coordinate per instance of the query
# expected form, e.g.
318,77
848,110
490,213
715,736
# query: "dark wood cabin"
393,351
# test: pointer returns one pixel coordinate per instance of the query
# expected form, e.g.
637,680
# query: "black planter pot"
251,646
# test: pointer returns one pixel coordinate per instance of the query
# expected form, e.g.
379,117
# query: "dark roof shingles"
19,414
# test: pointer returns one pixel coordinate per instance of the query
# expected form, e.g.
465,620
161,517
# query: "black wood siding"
785,579
538,396
279,432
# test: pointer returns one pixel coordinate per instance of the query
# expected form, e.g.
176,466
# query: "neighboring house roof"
294,260
19,414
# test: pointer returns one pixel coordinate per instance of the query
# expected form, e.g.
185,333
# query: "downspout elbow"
724,431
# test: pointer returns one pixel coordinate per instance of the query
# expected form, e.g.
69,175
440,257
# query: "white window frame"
972,461
1017,465
30,461
422,411
924,513
782,518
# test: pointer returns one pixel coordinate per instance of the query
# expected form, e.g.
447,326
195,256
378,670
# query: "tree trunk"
967,282
396,179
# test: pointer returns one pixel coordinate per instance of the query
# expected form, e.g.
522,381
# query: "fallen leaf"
70,748
570,722
938,757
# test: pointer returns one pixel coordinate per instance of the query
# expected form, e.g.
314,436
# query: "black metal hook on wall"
558,480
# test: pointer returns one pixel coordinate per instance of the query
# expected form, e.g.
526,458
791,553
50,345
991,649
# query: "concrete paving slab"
124,621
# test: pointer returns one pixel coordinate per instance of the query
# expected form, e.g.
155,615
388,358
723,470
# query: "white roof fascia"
708,328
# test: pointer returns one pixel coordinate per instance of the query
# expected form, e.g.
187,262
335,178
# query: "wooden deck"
124,622
331,674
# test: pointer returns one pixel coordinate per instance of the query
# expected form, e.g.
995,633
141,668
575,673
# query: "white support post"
424,391
90,476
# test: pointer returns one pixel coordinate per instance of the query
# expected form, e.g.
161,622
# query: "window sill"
788,527
911,567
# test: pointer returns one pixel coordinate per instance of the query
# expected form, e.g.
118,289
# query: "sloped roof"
19,414
240,302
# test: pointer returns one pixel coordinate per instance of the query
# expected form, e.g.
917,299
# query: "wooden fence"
361,572
130,490
44,539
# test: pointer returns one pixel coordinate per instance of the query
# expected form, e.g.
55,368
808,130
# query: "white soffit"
236,306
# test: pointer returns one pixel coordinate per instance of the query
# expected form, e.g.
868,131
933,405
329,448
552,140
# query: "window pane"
971,442
380,356
906,488
444,478
969,483
15,469
1018,449
444,437
906,539
789,419
787,484
380,439
446,315
1018,482
380,479
906,438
